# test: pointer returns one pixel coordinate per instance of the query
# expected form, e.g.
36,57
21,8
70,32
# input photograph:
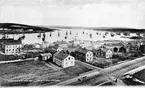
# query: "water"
75,34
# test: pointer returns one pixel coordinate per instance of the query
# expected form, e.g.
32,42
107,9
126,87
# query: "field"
103,62
32,73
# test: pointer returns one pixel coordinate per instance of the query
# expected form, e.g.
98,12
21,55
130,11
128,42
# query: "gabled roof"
46,54
102,49
50,50
81,50
54,47
61,55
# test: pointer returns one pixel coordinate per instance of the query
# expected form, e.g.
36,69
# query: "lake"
79,34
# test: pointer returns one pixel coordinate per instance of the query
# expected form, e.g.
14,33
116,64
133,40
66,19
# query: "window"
87,59
69,58
87,55
9,49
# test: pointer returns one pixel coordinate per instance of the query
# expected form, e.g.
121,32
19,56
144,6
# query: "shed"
45,56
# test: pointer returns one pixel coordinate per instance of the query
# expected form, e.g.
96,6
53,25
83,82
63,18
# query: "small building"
115,47
56,47
11,46
84,55
45,56
103,53
59,49
132,47
63,59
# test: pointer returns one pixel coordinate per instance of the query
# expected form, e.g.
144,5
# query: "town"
49,63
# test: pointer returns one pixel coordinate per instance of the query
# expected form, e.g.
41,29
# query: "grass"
9,57
104,62
16,57
32,73
76,70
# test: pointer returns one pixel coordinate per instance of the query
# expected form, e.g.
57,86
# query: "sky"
87,13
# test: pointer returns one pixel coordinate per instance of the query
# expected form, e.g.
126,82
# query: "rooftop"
61,55
10,41
82,50
46,54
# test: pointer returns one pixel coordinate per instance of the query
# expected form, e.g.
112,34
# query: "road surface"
95,77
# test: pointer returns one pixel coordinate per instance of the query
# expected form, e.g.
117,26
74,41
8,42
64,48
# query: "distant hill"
11,27
113,29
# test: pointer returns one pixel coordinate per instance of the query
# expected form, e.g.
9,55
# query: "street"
116,71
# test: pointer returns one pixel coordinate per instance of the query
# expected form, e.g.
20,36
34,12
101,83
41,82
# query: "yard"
29,73
32,73
16,57
76,70
104,62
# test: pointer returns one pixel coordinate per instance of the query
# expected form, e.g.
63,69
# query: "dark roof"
82,50
61,55
103,49
54,47
50,50
10,41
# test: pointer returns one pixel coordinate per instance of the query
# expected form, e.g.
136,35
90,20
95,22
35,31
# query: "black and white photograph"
88,43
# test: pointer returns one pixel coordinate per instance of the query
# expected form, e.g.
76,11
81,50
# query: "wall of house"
12,49
89,56
69,61
100,53
108,54
56,61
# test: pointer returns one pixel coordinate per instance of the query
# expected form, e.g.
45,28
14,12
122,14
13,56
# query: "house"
59,49
11,46
116,48
50,50
103,53
132,47
83,55
56,47
63,59
45,56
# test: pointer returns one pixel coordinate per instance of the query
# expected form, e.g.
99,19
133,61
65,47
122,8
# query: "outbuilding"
45,56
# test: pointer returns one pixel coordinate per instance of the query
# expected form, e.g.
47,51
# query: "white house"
89,56
63,59
12,47
59,49
108,53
